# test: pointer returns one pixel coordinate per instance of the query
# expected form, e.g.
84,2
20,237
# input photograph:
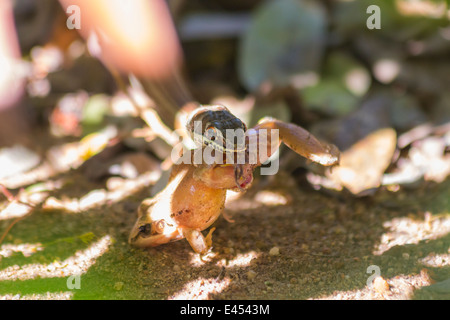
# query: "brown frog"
195,194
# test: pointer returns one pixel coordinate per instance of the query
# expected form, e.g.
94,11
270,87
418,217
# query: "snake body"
208,125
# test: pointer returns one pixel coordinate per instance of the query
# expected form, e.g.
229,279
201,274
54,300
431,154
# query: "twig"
149,116
10,227
6,193
12,198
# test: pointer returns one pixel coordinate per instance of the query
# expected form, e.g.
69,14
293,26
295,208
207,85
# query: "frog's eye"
145,230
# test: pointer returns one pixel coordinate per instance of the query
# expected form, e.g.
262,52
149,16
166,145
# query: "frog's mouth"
144,235
238,174
243,176
155,240
239,178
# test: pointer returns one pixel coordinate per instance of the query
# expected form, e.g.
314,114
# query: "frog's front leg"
198,242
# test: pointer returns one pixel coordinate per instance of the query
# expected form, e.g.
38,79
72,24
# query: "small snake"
208,126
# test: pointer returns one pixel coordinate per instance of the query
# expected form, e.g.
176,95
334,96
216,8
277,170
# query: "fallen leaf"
362,165
15,160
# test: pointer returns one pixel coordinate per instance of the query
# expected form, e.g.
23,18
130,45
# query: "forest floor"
286,242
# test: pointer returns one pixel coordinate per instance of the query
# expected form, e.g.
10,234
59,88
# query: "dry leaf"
362,166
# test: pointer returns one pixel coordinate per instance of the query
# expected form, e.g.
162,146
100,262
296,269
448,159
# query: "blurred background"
314,63
104,99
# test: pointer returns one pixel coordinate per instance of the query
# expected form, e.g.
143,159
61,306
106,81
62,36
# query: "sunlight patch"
400,287
196,261
270,198
77,264
200,289
241,260
27,249
406,230
46,296
437,260
100,197
15,209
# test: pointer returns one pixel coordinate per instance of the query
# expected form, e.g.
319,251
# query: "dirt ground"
66,227
287,241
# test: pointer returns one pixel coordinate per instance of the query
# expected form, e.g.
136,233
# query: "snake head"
217,127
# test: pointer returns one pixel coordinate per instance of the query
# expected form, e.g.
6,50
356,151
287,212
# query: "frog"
194,197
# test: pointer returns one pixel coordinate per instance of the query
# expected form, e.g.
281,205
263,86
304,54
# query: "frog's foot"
198,242
208,238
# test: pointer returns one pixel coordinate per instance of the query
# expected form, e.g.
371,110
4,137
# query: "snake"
208,126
